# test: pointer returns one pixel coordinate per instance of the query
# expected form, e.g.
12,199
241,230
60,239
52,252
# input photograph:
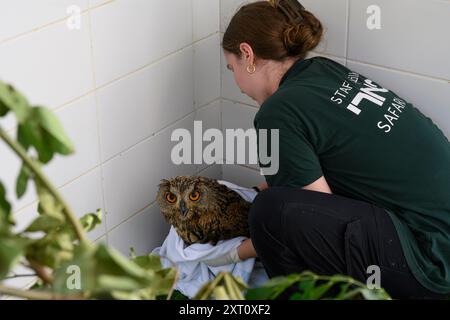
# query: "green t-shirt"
370,145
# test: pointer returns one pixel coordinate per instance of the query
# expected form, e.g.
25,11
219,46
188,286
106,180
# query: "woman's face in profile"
243,79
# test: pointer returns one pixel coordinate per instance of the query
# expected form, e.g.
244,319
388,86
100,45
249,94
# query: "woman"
363,180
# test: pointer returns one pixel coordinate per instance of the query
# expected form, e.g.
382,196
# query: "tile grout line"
347,32
221,77
240,102
97,110
156,133
408,73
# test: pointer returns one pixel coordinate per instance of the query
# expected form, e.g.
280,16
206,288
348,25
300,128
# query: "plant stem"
37,295
70,215
20,276
41,271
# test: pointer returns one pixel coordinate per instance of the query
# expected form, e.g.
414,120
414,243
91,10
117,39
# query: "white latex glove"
228,258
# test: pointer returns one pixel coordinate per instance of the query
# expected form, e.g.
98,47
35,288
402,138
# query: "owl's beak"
183,208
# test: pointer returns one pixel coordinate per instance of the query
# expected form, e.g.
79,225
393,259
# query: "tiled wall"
409,55
135,71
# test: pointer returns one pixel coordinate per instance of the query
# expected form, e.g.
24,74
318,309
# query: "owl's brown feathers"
219,213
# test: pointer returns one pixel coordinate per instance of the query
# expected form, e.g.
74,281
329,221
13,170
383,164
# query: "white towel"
193,272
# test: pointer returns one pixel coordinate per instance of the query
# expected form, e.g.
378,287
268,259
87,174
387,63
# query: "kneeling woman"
363,177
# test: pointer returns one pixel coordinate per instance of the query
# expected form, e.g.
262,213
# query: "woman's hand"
242,252
262,186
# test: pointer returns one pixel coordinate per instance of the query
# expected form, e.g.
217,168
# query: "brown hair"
270,33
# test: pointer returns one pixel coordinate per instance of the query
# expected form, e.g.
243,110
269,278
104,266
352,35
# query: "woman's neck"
274,72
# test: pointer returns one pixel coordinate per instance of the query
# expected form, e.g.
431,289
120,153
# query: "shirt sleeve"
299,164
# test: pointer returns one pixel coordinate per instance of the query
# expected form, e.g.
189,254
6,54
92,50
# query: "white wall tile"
412,36
83,195
137,106
242,176
129,34
79,120
227,10
238,116
20,282
131,179
21,16
214,172
51,66
210,116
207,70
333,15
143,232
206,18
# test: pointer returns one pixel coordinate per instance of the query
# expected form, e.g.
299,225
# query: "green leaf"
30,133
115,263
84,259
374,294
3,109
55,131
106,272
14,101
306,286
44,132
91,220
48,205
148,262
118,283
11,249
320,290
272,288
53,250
6,219
44,223
22,181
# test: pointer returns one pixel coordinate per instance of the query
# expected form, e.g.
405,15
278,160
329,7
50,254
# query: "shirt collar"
298,65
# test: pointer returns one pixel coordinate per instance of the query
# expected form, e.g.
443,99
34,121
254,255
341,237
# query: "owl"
202,210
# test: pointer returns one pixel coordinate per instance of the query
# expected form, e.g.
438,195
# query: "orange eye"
171,198
194,196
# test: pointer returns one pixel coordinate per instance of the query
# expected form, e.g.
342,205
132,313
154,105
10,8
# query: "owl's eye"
171,198
194,196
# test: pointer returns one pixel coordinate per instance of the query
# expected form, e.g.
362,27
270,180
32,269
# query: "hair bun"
304,36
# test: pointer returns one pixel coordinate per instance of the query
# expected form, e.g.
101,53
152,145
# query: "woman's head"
261,43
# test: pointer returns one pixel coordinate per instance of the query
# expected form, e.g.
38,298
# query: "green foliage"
309,286
223,287
11,100
6,219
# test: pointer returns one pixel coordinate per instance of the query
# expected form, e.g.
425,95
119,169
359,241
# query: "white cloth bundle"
193,272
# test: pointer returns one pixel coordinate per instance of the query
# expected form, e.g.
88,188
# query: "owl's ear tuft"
163,183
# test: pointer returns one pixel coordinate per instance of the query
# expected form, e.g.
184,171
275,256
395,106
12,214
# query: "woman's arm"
320,185
246,250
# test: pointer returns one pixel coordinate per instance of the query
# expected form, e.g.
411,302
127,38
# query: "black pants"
294,230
